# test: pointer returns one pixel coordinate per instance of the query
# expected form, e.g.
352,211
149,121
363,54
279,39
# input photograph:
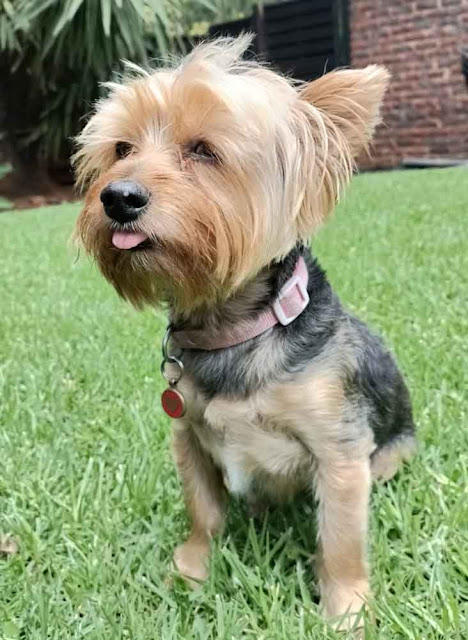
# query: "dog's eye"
123,149
201,150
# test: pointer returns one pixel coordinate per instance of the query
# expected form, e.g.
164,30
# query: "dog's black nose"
124,200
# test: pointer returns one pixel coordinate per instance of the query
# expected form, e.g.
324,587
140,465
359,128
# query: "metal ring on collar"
175,361
165,342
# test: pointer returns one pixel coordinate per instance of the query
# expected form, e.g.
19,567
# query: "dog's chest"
226,440
252,450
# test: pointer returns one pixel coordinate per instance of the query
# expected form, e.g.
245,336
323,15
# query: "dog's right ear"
335,118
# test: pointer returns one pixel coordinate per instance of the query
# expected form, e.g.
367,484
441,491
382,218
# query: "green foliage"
225,10
8,39
87,486
196,17
65,48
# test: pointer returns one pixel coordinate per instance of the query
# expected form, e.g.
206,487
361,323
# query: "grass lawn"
87,485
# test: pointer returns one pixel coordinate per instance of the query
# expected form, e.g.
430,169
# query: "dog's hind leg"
204,497
387,459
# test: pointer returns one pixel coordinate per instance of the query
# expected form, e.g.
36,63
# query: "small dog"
204,183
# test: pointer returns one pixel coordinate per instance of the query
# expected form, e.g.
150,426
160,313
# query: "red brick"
419,41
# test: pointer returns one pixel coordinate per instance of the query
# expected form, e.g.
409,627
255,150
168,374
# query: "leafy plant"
67,47
55,53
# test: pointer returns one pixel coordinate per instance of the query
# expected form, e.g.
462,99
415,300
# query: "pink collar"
287,306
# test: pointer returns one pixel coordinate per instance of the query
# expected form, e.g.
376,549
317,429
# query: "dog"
204,183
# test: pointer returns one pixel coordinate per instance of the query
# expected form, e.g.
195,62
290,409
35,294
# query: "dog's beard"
197,242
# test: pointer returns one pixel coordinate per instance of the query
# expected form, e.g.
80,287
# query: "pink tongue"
128,239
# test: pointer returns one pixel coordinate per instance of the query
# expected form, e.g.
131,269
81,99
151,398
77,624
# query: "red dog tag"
173,403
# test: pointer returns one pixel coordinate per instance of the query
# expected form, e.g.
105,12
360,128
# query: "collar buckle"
295,292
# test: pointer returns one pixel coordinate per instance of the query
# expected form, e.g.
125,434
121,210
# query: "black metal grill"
303,38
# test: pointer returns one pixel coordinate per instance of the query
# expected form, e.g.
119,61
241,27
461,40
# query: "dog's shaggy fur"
241,165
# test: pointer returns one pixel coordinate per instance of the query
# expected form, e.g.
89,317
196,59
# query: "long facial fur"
284,152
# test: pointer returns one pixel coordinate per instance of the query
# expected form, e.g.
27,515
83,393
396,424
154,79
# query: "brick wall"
426,108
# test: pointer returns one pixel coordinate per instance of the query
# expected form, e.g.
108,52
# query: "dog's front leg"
204,497
343,488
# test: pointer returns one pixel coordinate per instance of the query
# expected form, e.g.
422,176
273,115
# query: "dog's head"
200,175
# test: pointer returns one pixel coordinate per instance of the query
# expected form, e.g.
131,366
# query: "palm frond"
68,47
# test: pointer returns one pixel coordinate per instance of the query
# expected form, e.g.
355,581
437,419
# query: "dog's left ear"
351,100
338,115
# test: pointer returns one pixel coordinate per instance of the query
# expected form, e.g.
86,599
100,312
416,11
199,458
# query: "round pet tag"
173,403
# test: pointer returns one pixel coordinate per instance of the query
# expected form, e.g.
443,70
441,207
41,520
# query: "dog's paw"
344,605
192,560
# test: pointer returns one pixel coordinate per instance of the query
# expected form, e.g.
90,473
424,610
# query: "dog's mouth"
131,240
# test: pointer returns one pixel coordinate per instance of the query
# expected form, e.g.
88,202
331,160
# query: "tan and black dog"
204,183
